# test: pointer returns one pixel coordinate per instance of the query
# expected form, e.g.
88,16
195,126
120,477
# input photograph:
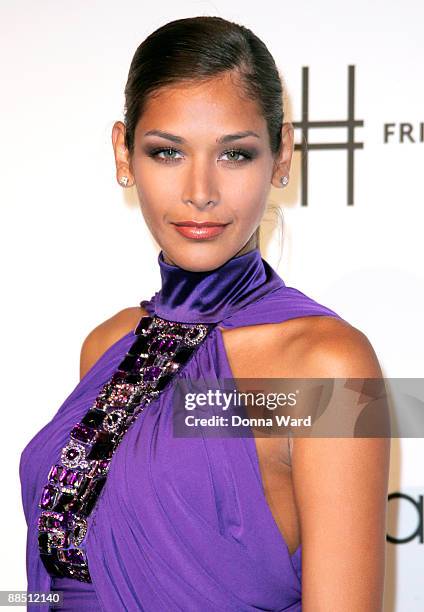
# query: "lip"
200,223
200,231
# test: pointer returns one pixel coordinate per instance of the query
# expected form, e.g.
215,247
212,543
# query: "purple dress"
182,524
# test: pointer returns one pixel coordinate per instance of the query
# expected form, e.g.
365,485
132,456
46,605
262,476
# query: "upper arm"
340,487
105,335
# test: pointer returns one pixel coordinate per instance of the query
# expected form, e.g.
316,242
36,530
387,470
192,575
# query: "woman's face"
201,153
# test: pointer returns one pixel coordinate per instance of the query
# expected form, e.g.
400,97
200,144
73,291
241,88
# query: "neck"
210,296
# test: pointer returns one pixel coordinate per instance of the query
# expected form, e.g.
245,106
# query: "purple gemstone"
102,466
163,345
99,467
83,434
183,355
66,501
43,522
139,346
60,539
93,418
47,496
149,361
128,364
154,346
134,380
112,418
171,345
151,373
74,555
100,404
63,475
54,523
71,453
73,478
138,363
103,447
163,381
118,377
79,532
54,473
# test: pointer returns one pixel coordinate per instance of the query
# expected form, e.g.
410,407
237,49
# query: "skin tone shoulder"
340,484
202,153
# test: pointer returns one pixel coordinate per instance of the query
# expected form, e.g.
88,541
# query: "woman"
122,514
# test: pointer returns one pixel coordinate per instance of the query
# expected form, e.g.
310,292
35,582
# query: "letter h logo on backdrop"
350,145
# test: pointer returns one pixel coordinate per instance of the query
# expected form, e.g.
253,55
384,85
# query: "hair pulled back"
196,49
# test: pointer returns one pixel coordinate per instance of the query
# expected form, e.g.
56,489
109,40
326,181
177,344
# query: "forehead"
219,104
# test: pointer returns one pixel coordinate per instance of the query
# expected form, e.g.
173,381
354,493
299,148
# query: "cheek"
153,215
153,195
149,178
150,210
252,182
247,214
151,190
249,201
255,211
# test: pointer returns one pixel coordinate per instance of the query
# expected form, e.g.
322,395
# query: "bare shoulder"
327,347
340,484
104,335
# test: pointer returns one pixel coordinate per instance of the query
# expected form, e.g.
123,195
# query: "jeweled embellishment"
79,530
114,421
195,335
73,455
160,349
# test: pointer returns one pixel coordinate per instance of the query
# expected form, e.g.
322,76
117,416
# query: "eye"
237,152
155,153
168,155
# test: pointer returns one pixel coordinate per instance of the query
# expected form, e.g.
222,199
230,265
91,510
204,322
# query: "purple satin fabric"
182,524
210,297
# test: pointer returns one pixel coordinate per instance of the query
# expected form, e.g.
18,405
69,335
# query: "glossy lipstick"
199,231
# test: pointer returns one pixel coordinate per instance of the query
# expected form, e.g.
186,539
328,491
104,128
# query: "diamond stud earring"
284,180
123,181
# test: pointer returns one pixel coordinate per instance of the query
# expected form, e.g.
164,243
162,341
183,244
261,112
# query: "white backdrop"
75,248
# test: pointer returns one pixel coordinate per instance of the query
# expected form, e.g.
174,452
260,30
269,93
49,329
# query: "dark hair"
197,49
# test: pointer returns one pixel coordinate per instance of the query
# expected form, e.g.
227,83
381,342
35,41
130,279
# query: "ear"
283,161
122,155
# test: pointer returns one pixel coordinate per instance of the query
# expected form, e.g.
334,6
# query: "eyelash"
154,153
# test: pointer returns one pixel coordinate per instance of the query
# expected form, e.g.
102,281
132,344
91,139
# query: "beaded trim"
74,484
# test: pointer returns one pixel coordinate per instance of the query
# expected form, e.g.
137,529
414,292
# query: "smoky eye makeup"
235,155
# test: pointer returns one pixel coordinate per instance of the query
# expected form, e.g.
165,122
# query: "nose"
201,189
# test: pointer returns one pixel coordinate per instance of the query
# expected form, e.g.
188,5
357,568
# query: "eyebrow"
221,140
